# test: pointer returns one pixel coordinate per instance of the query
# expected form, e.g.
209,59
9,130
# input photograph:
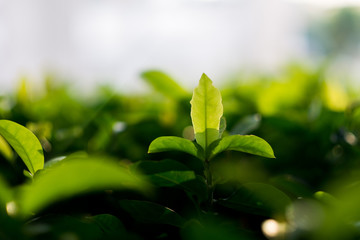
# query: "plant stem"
210,186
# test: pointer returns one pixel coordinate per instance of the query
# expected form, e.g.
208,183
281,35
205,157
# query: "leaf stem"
209,183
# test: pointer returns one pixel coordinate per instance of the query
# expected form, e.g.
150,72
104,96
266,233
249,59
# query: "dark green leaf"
148,212
163,144
243,143
170,173
25,144
258,198
152,167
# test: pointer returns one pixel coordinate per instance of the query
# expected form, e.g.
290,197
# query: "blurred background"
108,77
94,42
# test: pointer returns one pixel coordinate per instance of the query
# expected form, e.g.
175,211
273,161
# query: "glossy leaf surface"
25,144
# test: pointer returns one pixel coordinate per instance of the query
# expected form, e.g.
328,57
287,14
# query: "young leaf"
206,111
25,144
148,212
163,144
73,177
243,143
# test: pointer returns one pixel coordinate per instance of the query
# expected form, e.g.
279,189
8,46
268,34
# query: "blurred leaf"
63,227
74,177
222,127
6,150
292,185
163,144
25,144
152,167
171,178
148,212
170,173
164,84
206,111
327,199
6,194
246,125
194,230
111,227
258,198
243,143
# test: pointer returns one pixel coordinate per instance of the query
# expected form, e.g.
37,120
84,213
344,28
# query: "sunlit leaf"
25,144
74,177
164,84
206,111
148,212
243,143
163,144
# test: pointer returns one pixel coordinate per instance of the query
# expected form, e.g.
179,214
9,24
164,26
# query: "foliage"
141,167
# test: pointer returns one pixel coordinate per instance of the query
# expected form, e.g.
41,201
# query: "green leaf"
25,144
222,126
164,84
170,173
206,111
111,226
6,150
258,198
247,124
75,176
148,212
243,143
152,167
163,144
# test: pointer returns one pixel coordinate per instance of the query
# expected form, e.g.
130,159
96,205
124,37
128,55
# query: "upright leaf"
25,144
206,111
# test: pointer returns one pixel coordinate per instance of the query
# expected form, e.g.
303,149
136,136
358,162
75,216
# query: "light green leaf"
73,177
25,144
148,212
206,111
164,84
163,144
243,143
